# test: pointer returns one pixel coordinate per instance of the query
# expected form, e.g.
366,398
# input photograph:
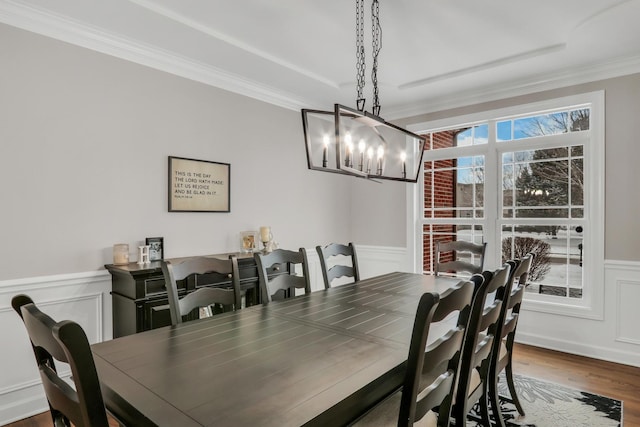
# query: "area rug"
552,405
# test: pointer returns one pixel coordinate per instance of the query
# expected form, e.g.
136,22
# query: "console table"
139,296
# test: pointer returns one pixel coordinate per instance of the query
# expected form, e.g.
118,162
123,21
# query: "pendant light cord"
360,62
376,41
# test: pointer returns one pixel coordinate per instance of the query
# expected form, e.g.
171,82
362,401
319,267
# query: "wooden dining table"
320,359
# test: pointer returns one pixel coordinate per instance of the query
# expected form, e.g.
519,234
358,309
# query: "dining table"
318,359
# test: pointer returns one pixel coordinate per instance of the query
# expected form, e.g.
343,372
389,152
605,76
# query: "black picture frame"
198,185
156,248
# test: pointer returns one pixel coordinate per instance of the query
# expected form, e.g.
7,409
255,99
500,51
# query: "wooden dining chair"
503,348
64,342
332,252
203,297
476,351
282,286
431,373
447,257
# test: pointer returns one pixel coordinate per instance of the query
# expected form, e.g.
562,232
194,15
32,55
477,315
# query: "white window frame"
591,305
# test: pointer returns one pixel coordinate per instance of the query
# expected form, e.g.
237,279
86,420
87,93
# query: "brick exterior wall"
441,196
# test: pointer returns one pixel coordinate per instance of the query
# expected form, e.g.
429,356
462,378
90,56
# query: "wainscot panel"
614,338
81,297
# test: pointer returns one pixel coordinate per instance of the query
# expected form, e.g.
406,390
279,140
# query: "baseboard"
580,349
22,402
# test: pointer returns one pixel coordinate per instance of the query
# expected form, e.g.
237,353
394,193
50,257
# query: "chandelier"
357,142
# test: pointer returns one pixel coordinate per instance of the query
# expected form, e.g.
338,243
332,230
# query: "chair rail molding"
82,297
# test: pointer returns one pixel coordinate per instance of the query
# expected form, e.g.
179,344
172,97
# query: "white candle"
370,156
348,149
361,148
403,157
121,253
380,156
325,149
265,234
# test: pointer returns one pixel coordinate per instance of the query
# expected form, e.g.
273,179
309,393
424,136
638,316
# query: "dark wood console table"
139,296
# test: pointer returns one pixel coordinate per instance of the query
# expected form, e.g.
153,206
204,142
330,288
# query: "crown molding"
20,15
197,26
570,77
61,28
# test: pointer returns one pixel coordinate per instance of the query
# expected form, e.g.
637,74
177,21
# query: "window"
517,179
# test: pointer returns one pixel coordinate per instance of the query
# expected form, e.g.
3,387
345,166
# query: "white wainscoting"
82,297
615,338
376,260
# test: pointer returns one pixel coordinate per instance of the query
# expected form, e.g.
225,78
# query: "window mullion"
491,193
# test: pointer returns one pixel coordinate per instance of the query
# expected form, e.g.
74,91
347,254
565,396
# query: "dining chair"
330,270
447,257
476,352
280,286
202,297
65,342
503,347
431,373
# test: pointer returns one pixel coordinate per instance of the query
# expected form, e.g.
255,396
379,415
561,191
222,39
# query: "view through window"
518,184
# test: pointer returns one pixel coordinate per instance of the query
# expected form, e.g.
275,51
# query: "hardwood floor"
617,381
606,378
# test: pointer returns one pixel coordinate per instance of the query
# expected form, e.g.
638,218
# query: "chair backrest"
282,285
519,279
65,342
456,265
478,343
432,372
337,270
205,296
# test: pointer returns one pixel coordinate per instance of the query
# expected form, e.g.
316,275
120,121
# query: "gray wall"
84,141
379,212
622,151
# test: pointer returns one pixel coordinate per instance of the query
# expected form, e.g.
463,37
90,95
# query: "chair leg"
484,411
459,414
512,388
494,402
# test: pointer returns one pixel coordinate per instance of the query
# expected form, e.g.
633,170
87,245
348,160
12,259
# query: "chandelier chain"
360,54
376,41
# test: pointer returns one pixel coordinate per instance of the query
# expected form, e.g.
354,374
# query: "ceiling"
301,54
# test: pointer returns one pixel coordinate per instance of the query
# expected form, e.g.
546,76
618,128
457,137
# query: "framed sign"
198,185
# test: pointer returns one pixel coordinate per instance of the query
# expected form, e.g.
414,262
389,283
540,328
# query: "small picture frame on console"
248,241
156,248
